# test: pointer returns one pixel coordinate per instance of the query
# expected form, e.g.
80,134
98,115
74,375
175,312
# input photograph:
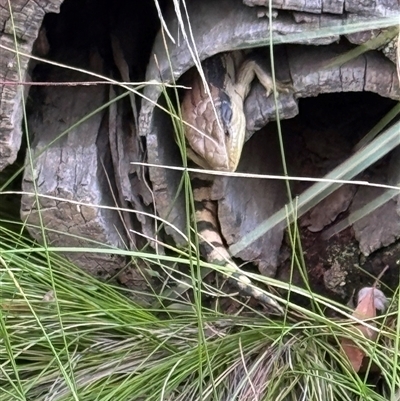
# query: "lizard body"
215,134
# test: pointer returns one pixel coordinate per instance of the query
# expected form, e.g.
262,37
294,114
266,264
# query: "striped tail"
211,244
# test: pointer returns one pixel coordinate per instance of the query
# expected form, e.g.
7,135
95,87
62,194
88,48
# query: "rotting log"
228,25
27,18
82,172
86,173
353,7
71,172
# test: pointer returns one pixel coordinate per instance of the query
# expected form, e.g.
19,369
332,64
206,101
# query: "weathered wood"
327,211
390,50
80,167
313,71
216,27
82,177
26,22
72,173
320,13
372,7
388,36
380,227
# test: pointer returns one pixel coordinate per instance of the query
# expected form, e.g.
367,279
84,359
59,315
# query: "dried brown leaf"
369,300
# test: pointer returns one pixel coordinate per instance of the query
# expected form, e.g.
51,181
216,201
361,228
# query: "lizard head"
216,127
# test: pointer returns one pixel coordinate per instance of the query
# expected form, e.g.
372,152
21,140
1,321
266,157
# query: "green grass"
91,342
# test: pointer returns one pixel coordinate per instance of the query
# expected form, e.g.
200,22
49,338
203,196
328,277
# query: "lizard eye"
226,113
226,109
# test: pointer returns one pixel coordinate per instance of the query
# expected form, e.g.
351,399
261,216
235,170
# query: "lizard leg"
248,70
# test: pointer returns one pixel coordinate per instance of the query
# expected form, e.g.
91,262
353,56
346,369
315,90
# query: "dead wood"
83,175
27,20
72,173
313,70
373,8
81,152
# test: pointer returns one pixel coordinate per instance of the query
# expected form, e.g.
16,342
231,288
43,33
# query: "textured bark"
313,70
82,175
82,172
70,171
27,20
381,227
372,7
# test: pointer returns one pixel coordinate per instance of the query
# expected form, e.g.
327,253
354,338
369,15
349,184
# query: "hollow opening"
343,254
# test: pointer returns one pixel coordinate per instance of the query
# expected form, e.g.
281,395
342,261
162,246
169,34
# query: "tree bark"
82,172
16,42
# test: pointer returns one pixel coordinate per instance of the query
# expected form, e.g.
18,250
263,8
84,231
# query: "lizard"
215,135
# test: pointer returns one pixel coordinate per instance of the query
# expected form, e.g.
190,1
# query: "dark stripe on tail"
206,225
206,249
213,249
201,183
202,205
